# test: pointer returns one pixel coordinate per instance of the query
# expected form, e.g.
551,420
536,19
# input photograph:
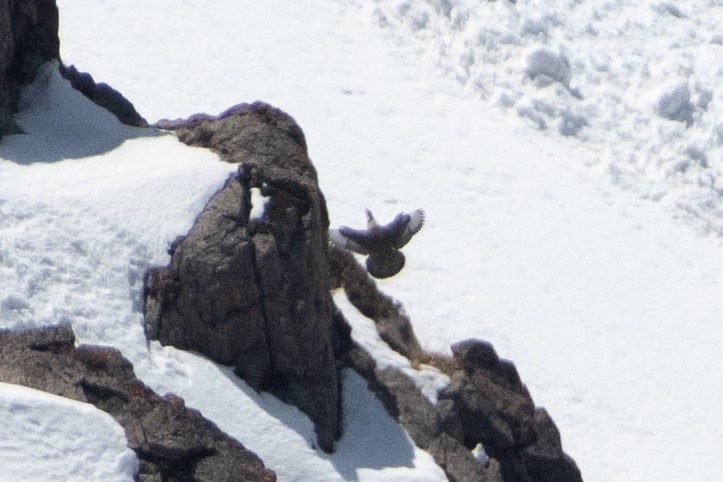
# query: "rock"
479,414
253,293
448,420
485,403
458,463
496,410
103,95
28,39
407,404
480,355
257,133
544,459
172,442
427,425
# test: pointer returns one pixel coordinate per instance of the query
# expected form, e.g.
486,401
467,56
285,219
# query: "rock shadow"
370,439
59,122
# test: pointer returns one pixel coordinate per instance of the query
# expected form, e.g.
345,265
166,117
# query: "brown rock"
254,293
393,325
427,425
485,403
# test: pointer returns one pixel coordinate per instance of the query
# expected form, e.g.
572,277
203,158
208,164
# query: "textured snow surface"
638,81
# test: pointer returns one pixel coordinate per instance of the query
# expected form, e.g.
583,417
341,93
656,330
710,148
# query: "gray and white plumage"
380,243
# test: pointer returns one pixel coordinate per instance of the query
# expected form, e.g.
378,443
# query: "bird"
380,243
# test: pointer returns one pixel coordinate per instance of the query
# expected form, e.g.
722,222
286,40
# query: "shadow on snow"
370,439
58,123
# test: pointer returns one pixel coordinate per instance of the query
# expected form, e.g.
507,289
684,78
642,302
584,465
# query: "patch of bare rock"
253,292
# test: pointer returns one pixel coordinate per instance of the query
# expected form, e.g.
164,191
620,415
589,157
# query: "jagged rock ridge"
254,292
103,95
486,402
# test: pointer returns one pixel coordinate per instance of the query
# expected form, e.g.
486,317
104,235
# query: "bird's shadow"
58,122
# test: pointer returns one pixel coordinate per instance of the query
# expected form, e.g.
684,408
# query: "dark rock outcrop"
253,293
28,39
496,410
172,442
104,96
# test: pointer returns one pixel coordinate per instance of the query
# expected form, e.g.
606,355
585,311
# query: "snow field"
373,446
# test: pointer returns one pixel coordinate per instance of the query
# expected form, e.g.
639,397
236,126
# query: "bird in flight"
380,243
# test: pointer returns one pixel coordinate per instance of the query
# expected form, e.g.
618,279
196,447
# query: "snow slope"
605,294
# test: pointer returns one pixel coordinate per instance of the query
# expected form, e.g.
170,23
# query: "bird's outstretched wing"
414,224
347,238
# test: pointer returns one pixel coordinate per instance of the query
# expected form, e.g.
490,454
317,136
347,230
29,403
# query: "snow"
567,156
258,204
79,231
47,437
